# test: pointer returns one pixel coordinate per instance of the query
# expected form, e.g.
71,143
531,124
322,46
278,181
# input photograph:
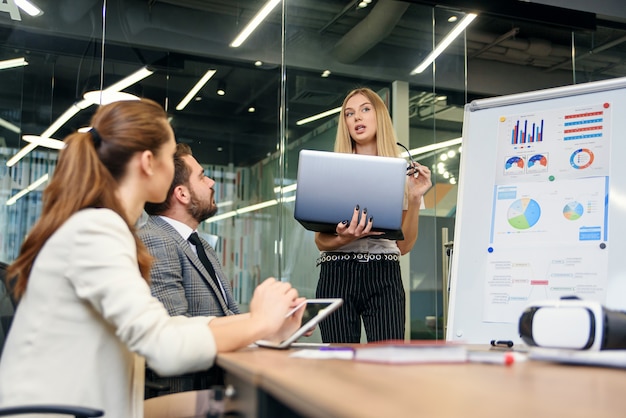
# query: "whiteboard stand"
445,276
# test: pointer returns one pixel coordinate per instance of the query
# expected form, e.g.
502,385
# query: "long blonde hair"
385,134
87,176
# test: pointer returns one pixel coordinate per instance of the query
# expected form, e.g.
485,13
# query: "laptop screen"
331,184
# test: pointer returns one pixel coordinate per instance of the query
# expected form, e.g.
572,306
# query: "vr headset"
573,323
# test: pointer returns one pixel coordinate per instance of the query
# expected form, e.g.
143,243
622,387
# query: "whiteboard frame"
476,184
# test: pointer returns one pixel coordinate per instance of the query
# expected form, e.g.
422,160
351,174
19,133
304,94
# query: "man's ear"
182,194
146,161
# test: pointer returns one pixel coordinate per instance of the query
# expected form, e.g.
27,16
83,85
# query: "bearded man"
186,274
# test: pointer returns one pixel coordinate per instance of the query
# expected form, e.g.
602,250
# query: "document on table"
342,353
606,358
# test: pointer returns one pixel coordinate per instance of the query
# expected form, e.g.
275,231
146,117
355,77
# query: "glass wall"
244,123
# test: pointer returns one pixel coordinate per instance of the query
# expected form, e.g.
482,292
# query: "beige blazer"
88,320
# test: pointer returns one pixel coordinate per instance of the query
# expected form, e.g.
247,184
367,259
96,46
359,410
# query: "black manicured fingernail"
357,207
344,222
364,211
371,219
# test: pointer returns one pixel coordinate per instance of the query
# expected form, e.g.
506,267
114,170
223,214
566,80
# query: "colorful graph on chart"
581,158
526,131
538,163
573,211
514,164
524,213
584,125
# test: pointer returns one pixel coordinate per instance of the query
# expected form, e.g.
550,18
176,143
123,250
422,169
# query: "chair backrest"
7,307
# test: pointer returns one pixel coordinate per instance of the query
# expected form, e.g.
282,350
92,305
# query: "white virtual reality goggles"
573,323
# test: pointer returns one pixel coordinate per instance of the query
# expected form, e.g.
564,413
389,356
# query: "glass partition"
245,122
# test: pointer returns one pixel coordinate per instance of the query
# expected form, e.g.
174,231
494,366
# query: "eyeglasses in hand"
414,163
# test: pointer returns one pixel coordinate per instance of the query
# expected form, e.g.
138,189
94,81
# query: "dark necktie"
195,240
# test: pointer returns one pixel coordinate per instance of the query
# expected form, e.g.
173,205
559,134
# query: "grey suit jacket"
184,286
179,279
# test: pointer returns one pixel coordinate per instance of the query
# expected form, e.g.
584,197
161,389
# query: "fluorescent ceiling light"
319,116
12,63
27,190
44,142
135,77
77,107
221,216
195,89
433,147
29,7
286,189
102,97
256,21
9,126
460,27
258,206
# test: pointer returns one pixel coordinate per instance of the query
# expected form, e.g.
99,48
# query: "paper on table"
339,353
606,358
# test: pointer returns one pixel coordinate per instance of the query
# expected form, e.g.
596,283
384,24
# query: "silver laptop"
331,184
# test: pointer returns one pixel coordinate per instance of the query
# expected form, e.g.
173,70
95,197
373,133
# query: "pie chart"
524,213
573,211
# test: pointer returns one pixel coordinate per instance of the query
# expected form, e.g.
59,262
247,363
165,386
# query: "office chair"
7,309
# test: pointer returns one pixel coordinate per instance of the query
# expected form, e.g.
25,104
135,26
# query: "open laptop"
331,184
315,311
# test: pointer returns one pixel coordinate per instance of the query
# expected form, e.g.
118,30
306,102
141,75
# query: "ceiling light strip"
9,126
254,23
126,82
77,107
29,7
44,142
433,147
195,89
450,37
319,116
12,63
41,180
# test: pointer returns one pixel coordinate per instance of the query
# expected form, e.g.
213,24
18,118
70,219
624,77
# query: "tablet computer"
315,311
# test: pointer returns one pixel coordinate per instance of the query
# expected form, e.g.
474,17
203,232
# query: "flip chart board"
541,208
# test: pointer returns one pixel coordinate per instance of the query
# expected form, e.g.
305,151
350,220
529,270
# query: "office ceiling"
181,39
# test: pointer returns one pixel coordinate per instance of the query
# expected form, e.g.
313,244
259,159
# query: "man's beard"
199,210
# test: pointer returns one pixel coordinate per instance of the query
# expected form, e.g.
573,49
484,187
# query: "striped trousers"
371,291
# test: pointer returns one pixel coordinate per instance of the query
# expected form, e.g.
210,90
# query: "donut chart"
524,213
514,164
573,211
537,162
581,158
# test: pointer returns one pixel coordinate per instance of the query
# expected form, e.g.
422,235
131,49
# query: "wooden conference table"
268,383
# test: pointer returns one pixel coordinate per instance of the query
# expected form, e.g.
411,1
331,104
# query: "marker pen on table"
504,358
502,343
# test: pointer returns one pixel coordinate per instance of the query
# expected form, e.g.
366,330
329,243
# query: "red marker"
492,357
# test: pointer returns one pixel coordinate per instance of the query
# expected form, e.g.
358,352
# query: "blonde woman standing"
371,287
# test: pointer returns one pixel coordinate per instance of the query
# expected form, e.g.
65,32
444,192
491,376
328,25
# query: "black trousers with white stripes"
370,290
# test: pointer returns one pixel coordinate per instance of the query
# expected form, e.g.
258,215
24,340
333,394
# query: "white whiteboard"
541,208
